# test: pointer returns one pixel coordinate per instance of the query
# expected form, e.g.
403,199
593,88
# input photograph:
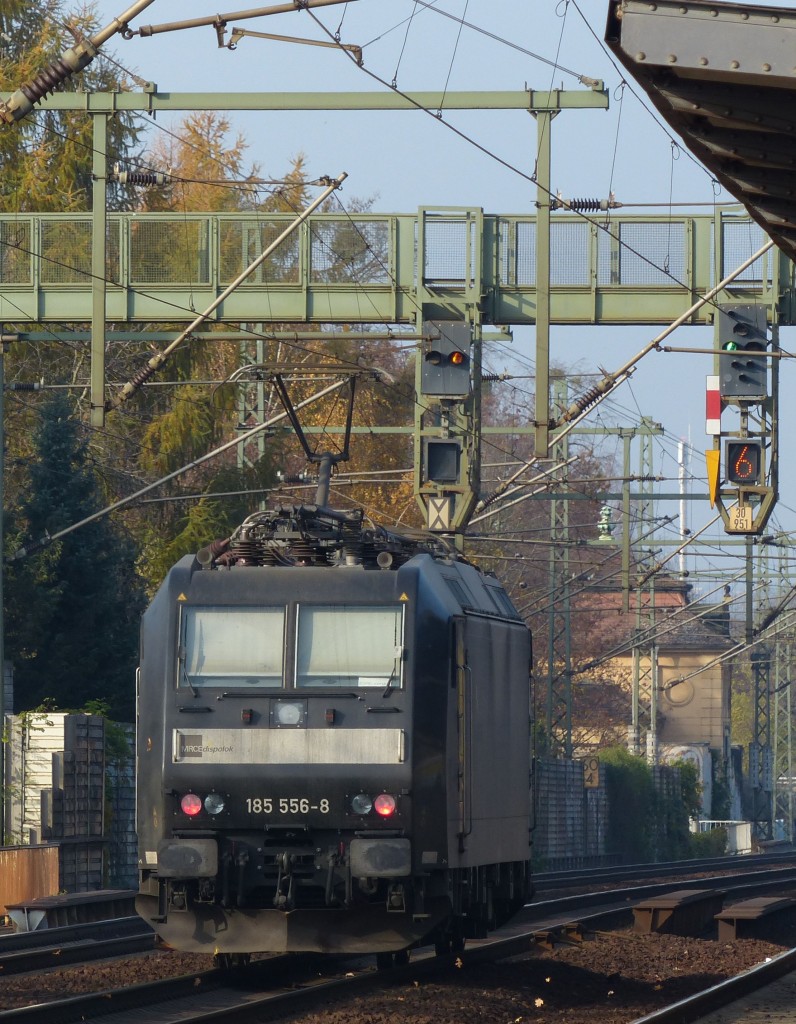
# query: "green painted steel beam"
46,269
154,101
36,337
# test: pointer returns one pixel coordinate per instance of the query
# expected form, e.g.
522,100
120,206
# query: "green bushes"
631,804
709,844
649,822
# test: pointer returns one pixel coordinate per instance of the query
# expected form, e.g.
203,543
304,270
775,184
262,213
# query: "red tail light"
191,804
384,805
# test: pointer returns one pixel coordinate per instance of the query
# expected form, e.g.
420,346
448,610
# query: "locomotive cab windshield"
225,647
345,645
335,645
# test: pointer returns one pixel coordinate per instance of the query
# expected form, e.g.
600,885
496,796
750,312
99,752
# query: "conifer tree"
72,607
46,158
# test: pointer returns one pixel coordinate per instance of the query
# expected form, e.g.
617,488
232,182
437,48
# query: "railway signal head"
744,462
445,360
743,367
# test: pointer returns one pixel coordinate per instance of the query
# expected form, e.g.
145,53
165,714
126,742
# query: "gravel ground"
611,979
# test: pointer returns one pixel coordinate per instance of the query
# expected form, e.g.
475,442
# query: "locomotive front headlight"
361,803
384,805
191,804
214,803
288,712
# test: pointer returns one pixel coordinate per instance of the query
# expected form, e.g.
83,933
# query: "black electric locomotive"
333,743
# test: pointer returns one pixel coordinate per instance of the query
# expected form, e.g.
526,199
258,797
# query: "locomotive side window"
347,645
231,647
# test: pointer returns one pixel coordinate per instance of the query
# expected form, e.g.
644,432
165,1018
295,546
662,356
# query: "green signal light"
730,346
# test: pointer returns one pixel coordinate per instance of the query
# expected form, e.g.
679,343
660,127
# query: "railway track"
283,985
73,944
547,881
766,993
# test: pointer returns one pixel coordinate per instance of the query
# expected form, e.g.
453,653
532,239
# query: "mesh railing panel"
177,251
350,251
742,239
113,251
169,252
446,251
241,242
569,253
523,259
66,251
16,265
649,254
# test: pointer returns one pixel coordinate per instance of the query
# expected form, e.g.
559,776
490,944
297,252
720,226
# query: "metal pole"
99,220
559,641
684,531
544,121
220,20
2,616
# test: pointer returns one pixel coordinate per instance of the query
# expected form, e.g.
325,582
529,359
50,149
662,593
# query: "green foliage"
181,434
722,800
690,787
117,747
644,823
677,801
631,800
72,607
199,157
709,844
46,159
201,523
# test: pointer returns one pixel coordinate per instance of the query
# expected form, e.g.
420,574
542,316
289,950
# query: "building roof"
679,626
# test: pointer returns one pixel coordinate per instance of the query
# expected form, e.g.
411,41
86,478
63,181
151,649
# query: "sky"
409,159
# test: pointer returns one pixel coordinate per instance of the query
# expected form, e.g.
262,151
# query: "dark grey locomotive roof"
724,77
335,545
469,588
476,591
